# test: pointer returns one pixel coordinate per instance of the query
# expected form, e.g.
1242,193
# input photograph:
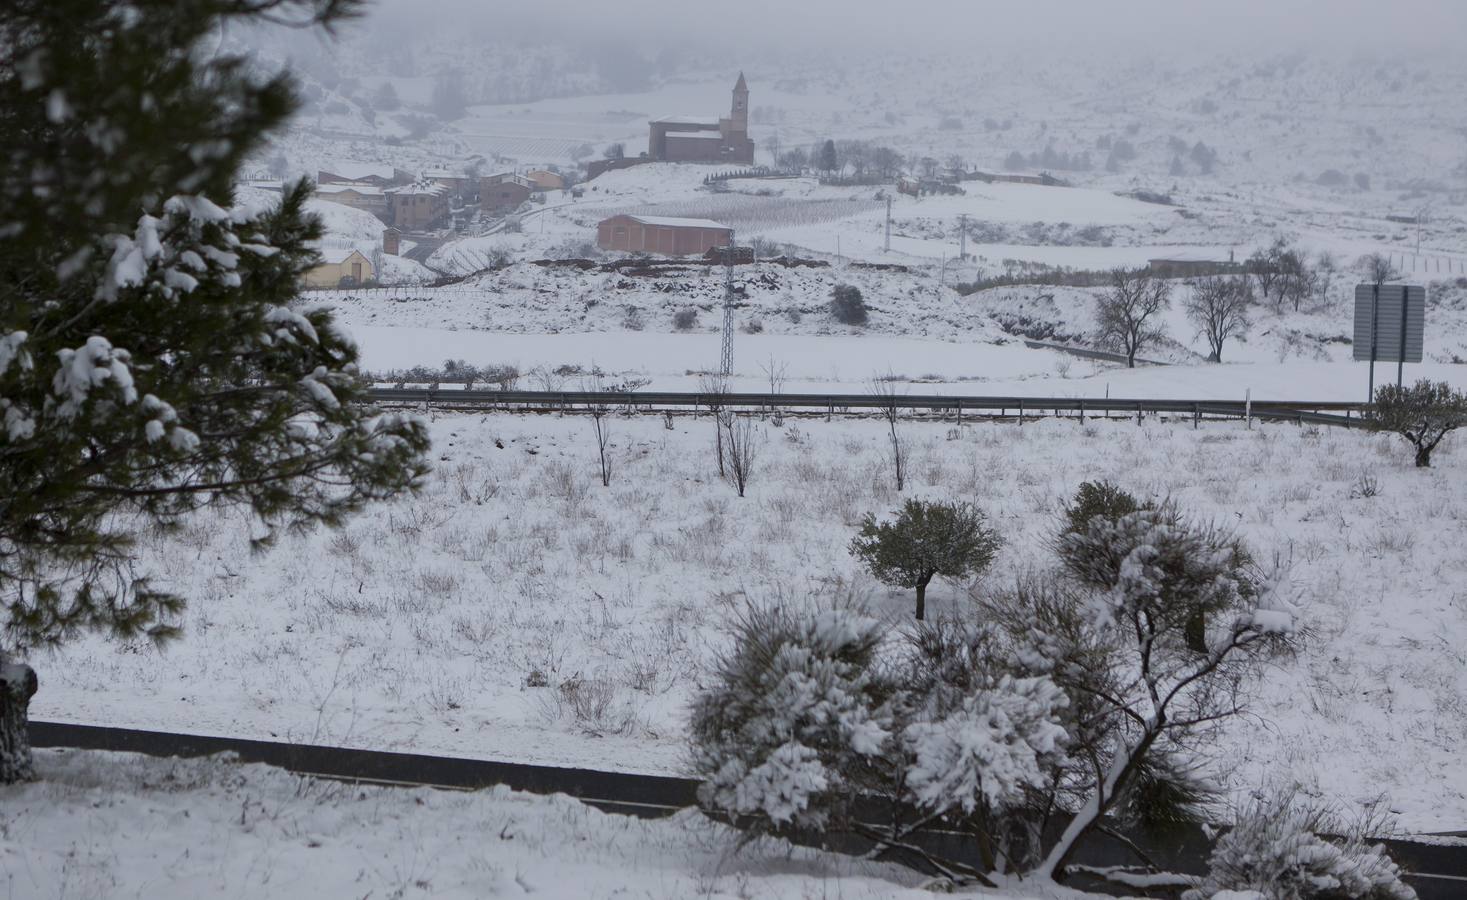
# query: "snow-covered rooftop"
340,187
672,222
354,170
712,121
432,188
333,255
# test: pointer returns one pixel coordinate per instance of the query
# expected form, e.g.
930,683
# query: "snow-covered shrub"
847,305
988,750
1275,852
796,707
685,318
811,709
1097,498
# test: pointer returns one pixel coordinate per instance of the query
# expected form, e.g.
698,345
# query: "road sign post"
1390,326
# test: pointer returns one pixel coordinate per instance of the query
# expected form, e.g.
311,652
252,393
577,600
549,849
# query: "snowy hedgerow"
797,706
1275,851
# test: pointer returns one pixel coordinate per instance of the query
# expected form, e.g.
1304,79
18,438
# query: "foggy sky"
1345,26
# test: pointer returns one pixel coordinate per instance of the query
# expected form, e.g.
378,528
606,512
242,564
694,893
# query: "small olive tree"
1423,414
927,539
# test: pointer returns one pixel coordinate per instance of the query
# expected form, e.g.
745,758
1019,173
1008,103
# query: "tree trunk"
17,686
1423,457
922,599
1195,632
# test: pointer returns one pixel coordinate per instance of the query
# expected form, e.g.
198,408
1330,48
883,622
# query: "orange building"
661,235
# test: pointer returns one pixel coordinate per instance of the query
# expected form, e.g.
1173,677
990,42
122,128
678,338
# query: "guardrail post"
1021,413
1082,412
830,409
1138,412
960,410
1196,416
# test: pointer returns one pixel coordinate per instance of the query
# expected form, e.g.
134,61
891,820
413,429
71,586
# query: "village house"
662,235
542,180
377,174
357,195
340,268
461,185
418,206
695,139
503,192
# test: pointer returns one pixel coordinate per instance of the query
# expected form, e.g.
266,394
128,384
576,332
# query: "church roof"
742,85
687,120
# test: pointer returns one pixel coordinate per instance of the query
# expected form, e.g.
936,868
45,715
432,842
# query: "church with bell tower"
694,139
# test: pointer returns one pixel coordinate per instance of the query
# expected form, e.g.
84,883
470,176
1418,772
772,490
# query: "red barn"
662,235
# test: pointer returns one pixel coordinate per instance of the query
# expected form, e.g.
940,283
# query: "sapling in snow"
1423,414
927,539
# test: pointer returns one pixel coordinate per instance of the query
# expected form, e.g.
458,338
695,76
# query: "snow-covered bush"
847,305
685,318
796,708
1275,851
1098,498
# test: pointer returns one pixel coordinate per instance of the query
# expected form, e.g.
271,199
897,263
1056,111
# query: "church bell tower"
740,112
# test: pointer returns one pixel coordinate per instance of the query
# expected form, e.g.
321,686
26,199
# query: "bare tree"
713,388
777,373
884,389
1128,315
1218,307
1377,269
1296,278
1326,268
1264,267
742,438
601,426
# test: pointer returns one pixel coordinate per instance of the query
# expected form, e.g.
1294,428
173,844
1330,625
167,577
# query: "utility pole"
888,224
963,237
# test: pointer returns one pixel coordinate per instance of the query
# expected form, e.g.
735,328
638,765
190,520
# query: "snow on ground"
121,825
518,610
847,364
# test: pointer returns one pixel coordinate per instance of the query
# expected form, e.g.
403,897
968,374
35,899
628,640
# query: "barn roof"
371,190
355,170
672,222
707,121
333,255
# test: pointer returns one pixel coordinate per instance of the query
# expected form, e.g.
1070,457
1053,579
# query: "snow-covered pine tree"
151,360
795,709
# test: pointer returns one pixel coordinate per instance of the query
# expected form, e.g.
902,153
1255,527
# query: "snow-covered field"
534,316
519,610
122,826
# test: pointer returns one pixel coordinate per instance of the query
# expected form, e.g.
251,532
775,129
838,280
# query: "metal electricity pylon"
725,365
